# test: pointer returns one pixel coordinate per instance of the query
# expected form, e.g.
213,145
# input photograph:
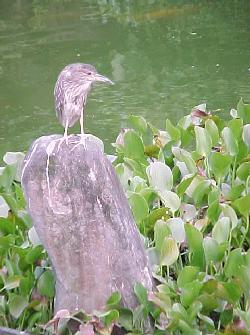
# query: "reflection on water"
164,56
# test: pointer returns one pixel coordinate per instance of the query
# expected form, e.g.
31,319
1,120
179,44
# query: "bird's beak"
98,77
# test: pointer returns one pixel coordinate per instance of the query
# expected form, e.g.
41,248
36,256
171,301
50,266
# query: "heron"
71,90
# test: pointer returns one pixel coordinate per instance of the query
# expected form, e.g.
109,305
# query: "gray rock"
82,217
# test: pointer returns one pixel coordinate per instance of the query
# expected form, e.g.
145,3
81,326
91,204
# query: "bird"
71,90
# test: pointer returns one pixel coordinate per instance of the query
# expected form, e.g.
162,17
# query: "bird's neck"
82,89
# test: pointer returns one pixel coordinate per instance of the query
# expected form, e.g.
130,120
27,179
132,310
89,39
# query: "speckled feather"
71,90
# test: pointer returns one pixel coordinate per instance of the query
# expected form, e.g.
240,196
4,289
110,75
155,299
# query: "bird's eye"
89,73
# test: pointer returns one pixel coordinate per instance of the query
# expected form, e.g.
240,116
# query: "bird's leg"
82,130
81,123
65,132
82,139
65,137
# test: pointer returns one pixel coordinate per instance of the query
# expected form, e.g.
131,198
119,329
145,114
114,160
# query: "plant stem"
207,167
246,231
168,271
233,172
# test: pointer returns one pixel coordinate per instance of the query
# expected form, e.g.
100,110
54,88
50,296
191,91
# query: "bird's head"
84,74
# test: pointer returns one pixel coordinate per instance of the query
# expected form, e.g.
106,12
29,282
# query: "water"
164,56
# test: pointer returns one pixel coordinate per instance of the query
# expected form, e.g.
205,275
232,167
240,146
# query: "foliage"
26,278
188,187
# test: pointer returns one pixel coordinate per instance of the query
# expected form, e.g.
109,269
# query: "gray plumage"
71,91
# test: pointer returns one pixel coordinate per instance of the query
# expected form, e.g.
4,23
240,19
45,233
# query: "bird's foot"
81,142
65,138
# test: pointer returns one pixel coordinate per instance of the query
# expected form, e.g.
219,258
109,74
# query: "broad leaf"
219,164
203,141
176,226
139,206
195,243
169,251
160,176
212,129
170,200
230,141
243,111
161,230
17,305
46,284
221,230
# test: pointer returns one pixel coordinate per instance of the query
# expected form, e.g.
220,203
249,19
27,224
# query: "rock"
83,219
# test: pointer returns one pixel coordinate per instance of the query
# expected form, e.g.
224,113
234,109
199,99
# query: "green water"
164,56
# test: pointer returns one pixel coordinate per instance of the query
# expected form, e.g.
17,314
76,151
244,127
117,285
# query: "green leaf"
173,132
124,173
201,191
170,200
7,226
46,284
235,192
181,188
219,164
203,141
214,211
139,123
198,188
110,317
176,226
12,282
246,135
230,141
160,176
4,208
194,309
169,251
211,249
185,156
212,129
243,111
226,316
161,230
233,263
221,230
114,299
195,243
229,212
233,292
242,204
6,242
34,254
209,302
17,305
236,126
126,318
156,214
26,284
179,312
138,168
190,292
208,321
139,206
243,171
7,176
187,275
133,146
141,293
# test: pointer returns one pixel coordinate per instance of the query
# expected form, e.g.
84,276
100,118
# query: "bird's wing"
59,100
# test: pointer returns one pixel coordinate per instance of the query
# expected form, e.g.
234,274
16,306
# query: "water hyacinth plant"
188,186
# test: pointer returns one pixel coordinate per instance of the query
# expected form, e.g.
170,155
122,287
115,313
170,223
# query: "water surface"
164,56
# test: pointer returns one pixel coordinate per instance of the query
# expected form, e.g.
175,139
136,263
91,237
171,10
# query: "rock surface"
82,217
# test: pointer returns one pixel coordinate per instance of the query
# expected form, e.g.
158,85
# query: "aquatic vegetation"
188,187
